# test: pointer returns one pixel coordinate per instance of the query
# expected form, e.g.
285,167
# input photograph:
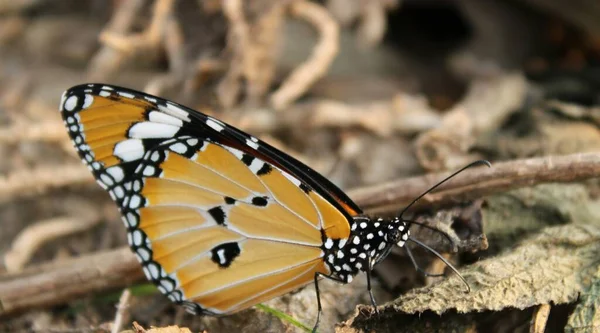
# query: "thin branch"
39,180
322,56
109,59
237,40
58,283
39,233
479,182
49,131
121,311
119,45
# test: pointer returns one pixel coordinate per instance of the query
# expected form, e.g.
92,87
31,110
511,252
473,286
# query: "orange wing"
216,228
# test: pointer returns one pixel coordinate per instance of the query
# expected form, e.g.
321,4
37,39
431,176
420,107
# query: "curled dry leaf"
553,266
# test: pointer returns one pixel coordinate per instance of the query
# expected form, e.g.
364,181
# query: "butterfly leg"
319,308
373,303
417,267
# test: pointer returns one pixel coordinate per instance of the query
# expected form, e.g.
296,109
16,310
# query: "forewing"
217,228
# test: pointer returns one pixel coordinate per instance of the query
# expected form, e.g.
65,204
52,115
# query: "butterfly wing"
219,220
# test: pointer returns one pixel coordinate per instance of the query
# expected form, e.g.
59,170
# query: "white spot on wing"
178,112
256,165
252,144
104,93
149,170
135,201
71,103
153,271
126,94
291,178
159,117
117,173
179,148
106,179
236,152
129,150
214,125
119,192
149,130
221,254
89,99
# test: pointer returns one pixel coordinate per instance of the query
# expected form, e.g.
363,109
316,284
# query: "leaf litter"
556,262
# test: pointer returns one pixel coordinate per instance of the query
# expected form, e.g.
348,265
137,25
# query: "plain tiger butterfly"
219,220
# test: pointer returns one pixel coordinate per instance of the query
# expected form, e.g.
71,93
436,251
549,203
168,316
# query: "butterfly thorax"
370,241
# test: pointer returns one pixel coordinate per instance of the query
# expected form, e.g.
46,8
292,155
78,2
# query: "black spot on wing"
224,254
247,159
230,200
218,214
259,201
265,169
305,188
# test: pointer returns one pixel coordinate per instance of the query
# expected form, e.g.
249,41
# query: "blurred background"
363,91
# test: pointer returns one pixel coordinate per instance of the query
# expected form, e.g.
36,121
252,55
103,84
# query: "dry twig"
109,59
57,283
33,182
121,311
253,46
119,46
50,131
34,236
479,182
228,90
323,54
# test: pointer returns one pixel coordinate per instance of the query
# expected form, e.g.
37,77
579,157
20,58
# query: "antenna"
448,264
470,165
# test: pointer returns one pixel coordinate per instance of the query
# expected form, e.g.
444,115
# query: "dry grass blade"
540,319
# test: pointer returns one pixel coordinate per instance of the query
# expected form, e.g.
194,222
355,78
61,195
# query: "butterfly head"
398,231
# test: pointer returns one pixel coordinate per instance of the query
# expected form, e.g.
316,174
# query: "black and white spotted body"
370,241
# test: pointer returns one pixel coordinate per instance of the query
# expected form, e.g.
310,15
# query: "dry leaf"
137,328
553,266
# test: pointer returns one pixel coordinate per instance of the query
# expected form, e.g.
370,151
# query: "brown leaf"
553,266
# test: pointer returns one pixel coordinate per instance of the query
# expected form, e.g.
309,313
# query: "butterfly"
220,220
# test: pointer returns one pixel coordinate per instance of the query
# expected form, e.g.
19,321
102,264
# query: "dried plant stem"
478,182
323,54
34,236
119,45
121,311
36,181
57,283
50,131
